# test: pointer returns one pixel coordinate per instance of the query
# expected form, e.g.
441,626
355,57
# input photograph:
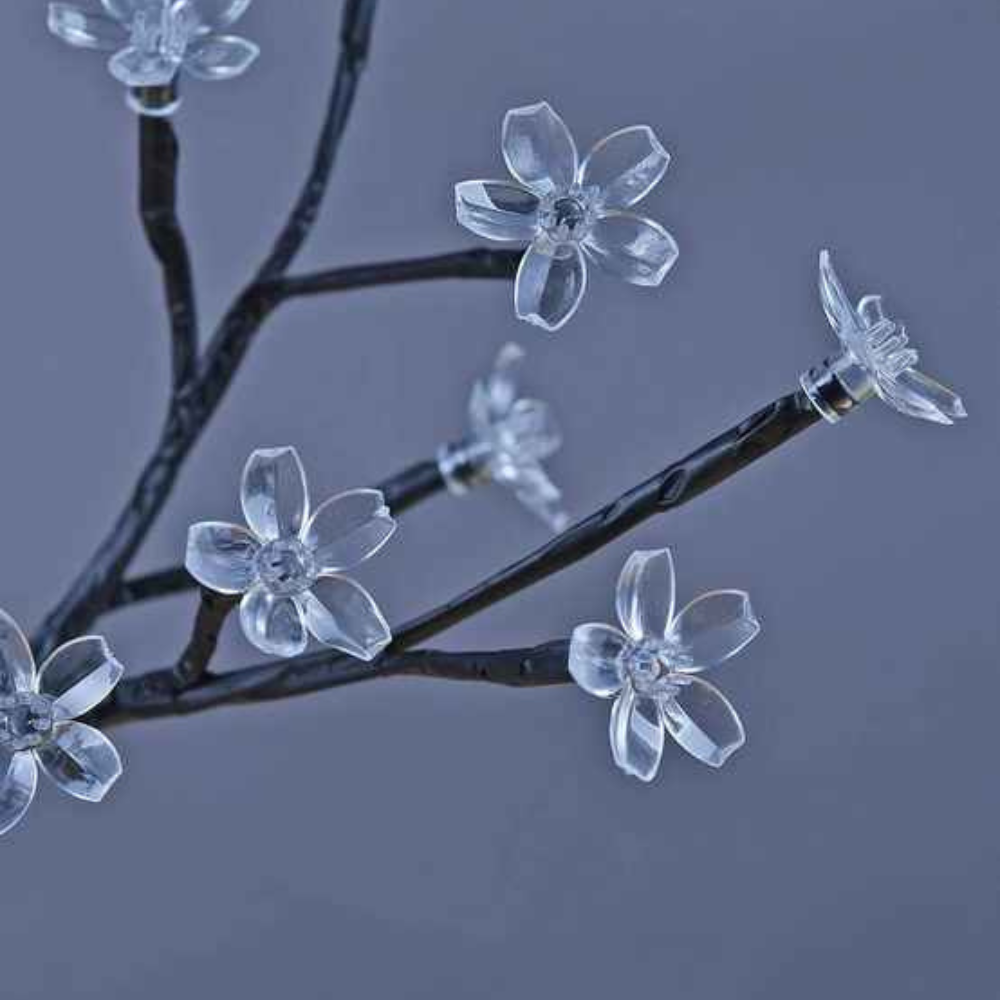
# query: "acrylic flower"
38,709
570,210
289,566
880,347
652,668
510,438
152,40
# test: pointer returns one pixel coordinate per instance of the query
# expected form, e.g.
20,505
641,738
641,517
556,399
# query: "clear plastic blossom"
289,566
38,709
510,439
152,40
652,667
570,210
877,358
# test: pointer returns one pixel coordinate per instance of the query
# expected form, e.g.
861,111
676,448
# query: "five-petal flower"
153,40
510,439
653,665
289,566
567,209
38,709
878,357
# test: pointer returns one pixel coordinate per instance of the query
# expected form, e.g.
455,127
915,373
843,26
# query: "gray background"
425,839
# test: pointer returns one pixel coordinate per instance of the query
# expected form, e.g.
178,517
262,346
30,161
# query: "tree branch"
212,614
158,160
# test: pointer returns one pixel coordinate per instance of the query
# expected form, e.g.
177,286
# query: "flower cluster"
651,666
570,210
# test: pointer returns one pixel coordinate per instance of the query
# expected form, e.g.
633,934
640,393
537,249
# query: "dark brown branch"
158,694
213,610
713,463
158,160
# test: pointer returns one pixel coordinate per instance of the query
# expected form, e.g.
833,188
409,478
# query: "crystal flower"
877,358
567,209
289,565
153,40
509,440
37,713
653,666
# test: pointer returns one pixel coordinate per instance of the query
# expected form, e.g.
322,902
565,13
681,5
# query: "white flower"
153,40
37,713
653,665
567,209
880,347
510,439
289,565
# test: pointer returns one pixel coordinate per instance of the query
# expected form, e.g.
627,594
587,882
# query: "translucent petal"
715,626
125,10
529,431
274,494
79,675
871,310
702,721
636,734
538,148
220,57
837,306
17,788
342,614
221,556
81,761
625,166
348,529
498,210
533,487
493,397
220,13
594,652
140,69
17,665
272,623
630,247
645,594
918,395
84,29
550,284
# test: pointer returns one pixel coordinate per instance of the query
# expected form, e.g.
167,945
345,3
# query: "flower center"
286,567
25,720
566,218
649,666
164,34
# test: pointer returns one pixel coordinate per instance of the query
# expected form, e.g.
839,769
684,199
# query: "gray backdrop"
426,839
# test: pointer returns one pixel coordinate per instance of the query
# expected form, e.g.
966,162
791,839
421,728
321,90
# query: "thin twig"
158,160
213,610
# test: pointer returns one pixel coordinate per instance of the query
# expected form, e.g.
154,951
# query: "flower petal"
918,395
625,166
274,493
498,210
79,675
81,761
220,57
529,432
702,721
83,28
538,148
17,788
136,68
645,594
123,10
348,529
17,665
221,556
533,488
839,312
493,397
342,614
594,652
714,627
550,284
636,734
630,247
219,13
273,624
